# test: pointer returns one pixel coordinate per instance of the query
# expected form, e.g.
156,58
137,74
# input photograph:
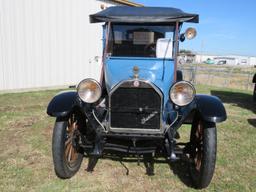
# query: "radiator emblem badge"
136,83
145,119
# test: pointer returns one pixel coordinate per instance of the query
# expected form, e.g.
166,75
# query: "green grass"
26,162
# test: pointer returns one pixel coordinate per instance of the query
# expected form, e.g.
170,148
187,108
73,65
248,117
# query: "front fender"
211,108
62,104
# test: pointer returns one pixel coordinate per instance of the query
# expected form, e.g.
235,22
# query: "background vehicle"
209,61
141,100
222,62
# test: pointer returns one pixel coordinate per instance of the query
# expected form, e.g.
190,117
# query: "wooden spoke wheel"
203,140
71,151
198,146
67,156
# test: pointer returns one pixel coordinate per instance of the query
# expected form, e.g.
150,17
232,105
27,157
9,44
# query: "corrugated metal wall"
46,43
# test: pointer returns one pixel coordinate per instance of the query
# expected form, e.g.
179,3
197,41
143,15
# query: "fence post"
194,75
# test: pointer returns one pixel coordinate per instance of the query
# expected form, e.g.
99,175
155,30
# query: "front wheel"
67,158
203,141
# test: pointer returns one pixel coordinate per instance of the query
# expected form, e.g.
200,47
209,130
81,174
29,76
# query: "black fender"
254,91
210,108
62,104
254,78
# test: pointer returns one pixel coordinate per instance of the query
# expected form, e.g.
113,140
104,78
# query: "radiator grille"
135,108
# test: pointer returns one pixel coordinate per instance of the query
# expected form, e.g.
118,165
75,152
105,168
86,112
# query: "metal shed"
49,43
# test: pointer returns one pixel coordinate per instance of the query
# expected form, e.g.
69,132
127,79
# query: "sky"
226,27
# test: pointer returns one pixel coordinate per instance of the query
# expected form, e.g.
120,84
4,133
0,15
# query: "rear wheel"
203,141
67,157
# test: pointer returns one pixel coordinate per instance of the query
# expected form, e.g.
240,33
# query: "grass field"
26,162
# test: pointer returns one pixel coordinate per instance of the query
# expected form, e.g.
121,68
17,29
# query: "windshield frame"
110,35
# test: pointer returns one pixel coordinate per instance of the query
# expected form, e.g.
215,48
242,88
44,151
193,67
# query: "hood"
158,71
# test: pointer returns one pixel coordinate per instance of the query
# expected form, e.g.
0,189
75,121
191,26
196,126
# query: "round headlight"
89,90
190,33
182,93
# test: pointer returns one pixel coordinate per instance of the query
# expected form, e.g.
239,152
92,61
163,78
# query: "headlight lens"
89,90
182,93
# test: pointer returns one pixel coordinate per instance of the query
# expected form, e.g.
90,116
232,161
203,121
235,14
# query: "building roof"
127,14
129,3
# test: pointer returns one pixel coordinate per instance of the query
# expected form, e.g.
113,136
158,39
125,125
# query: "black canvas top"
125,14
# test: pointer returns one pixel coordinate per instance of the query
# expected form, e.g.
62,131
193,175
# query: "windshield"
127,40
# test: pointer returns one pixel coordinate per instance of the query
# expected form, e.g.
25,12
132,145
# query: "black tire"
63,167
203,153
254,93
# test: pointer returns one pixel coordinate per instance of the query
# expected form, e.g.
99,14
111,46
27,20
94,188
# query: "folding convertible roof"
125,14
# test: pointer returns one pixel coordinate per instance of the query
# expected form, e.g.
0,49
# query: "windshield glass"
127,40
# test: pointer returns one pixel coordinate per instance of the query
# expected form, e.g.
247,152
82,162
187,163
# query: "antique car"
136,109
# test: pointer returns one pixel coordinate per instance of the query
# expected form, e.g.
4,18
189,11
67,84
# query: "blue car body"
160,72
